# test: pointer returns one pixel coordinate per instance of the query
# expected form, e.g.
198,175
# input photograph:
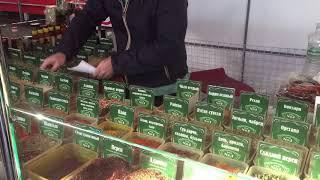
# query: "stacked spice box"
250,137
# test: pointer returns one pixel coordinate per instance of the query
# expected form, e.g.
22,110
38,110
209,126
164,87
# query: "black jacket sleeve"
171,25
81,28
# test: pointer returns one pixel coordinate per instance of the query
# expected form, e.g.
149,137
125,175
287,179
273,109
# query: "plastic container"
255,171
312,66
35,146
227,164
307,170
61,163
114,129
182,151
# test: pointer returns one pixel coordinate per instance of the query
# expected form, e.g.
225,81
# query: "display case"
66,125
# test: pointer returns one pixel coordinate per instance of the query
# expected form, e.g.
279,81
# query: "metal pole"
20,11
11,164
245,39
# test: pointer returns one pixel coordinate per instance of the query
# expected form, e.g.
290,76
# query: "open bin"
182,151
230,165
60,163
265,173
114,129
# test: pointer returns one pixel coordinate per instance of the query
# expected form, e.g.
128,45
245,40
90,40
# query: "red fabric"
9,7
40,2
33,9
218,77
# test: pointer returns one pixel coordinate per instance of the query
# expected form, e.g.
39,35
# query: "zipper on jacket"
124,19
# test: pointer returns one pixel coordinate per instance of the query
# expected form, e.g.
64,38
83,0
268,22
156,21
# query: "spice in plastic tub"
142,174
268,174
102,169
144,140
114,129
60,163
76,118
230,165
182,151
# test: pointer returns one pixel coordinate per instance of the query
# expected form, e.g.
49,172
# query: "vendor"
150,38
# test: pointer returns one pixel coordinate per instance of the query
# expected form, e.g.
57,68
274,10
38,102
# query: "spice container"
35,146
114,129
145,174
230,165
311,170
101,169
182,151
60,163
268,174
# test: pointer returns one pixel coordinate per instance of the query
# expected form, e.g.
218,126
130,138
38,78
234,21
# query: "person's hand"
54,61
104,70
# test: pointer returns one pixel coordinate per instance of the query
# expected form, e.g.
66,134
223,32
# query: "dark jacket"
157,55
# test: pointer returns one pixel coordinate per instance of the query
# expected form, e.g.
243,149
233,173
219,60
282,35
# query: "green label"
278,158
254,103
209,113
39,48
114,90
23,120
318,139
101,51
141,97
30,59
113,148
292,109
14,91
314,165
290,131
34,95
176,106
189,135
166,166
64,83
88,87
89,48
52,129
122,114
50,50
88,106
26,74
13,70
82,57
231,146
317,118
59,101
152,125
186,88
221,96
244,121
45,78
89,140
15,54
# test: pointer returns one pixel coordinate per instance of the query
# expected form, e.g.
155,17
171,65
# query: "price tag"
14,91
278,158
101,51
59,101
189,135
152,125
290,131
15,54
314,165
23,120
114,90
50,50
113,148
34,95
254,103
292,109
51,129
26,74
89,140
82,56
40,49
31,60
187,89
176,106
88,87
88,106
142,97
45,78
13,70
209,113
122,114
64,83
89,48
231,146
221,96
247,122
167,166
